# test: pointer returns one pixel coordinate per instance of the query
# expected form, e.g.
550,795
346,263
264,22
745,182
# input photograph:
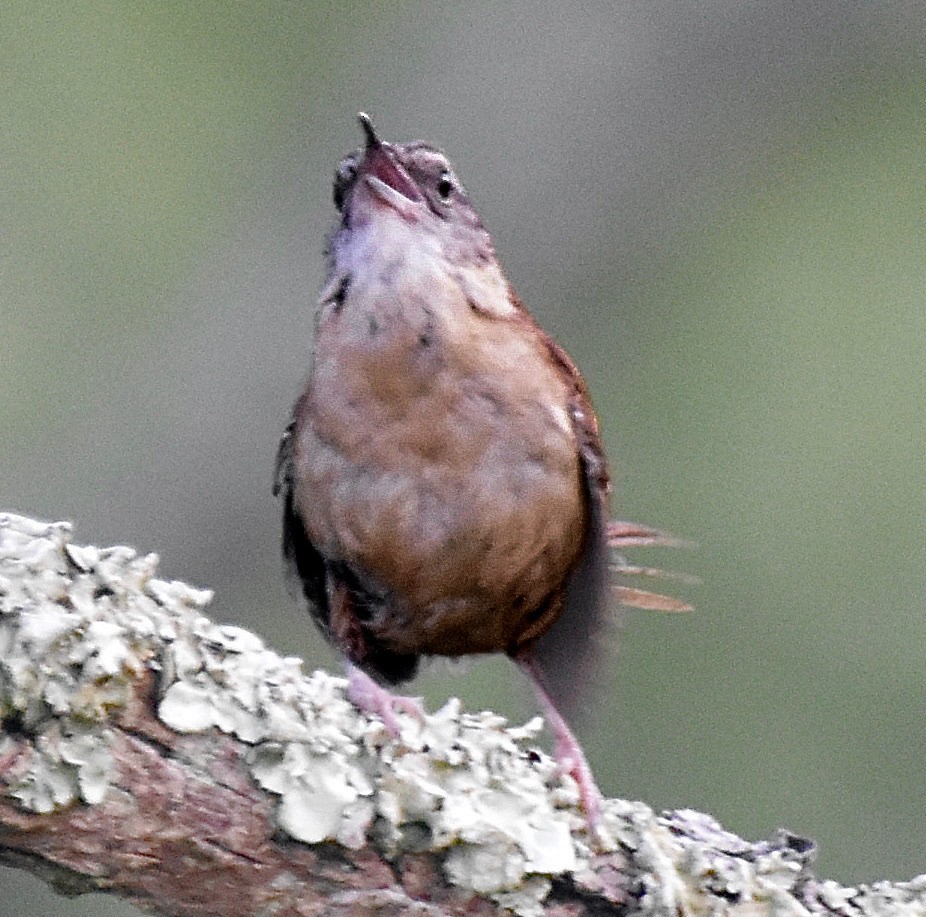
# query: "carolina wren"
444,484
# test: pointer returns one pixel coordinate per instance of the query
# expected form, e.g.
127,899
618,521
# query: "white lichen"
323,796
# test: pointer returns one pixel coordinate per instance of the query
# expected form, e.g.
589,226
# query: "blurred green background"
719,208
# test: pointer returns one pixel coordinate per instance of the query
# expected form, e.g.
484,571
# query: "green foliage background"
718,208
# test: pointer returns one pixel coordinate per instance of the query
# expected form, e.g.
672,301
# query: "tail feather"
634,535
649,601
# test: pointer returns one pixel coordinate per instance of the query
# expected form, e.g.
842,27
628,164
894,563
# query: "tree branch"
182,765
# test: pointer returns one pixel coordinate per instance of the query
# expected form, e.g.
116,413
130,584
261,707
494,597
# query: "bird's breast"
436,455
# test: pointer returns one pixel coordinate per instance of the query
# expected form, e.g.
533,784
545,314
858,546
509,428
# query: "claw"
368,696
572,761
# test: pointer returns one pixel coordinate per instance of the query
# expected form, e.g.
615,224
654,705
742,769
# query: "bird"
444,482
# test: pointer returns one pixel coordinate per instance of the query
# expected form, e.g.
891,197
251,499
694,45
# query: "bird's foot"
369,697
572,761
569,756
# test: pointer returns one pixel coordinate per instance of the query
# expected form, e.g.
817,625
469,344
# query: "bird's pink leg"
366,695
568,752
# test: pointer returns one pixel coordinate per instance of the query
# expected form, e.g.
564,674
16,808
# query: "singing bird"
444,483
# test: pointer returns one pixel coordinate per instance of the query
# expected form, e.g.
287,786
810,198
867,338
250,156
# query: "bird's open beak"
385,177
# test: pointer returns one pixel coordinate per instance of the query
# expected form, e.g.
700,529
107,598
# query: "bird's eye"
343,179
445,185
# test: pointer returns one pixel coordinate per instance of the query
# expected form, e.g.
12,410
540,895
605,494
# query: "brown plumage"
444,483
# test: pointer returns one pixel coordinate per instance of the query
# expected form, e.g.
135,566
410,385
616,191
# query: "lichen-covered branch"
147,751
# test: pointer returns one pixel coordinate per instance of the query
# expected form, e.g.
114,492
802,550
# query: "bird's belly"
457,492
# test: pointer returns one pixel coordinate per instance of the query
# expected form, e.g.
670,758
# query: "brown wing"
305,566
566,658
584,418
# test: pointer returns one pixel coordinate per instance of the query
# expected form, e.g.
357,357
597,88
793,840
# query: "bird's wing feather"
567,657
305,566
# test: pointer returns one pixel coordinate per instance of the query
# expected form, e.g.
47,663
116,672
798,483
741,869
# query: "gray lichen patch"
68,655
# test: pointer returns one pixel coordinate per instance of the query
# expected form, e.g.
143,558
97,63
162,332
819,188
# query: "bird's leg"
368,696
568,751
364,693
